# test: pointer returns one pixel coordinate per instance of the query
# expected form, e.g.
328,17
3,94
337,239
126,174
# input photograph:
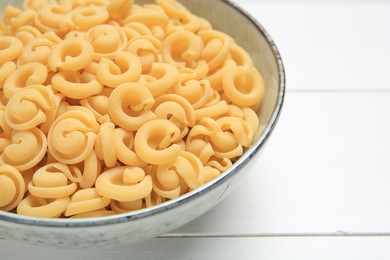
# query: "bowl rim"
185,198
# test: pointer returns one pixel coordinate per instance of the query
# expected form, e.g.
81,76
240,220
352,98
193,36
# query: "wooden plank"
218,249
330,46
324,170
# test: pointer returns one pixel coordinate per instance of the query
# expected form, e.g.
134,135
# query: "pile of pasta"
107,106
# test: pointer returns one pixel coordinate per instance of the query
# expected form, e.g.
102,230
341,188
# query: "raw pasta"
107,106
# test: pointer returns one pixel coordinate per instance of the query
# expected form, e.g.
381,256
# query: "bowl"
133,227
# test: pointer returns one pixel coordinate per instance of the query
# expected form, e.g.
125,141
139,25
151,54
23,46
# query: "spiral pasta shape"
198,93
26,150
84,18
53,181
126,67
26,75
12,187
106,40
70,55
36,50
72,136
124,184
44,208
181,48
163,76
74,85
27,107
216,47
187,166
153,142
146,48
10,48
243,88
234,134
198,139
86,200
49,17
134,101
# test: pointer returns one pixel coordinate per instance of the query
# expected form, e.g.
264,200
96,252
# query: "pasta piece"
70,55
213,111
49,17
74,85
72,136
34,4
187,166
98,104
146,48
12,187
234,134
84,18
181,48
177,110
162,77
27,33
241,57
217,47
5,70
17,18
173,9
33,73
86,200
53,181
44,208
106,40
198,139
153,142
91,168
124,148
243,88
10,48
105,144
129,106
126,67
27,149
26,108
124,184
198,93
36,50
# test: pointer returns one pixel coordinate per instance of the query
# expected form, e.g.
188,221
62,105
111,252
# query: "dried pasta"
108,107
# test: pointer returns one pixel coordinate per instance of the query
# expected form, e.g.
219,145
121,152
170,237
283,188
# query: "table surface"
321,190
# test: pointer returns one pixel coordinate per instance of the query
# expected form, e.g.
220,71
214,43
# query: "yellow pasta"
52,181
10,48
108,107
86,200
124,184
27,149
129,105
70,55
72,136
12,187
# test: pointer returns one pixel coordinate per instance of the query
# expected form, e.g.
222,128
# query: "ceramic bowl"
148,223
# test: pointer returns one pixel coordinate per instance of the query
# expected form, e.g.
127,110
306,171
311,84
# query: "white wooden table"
322,187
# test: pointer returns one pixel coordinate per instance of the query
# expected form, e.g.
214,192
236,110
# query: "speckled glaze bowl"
148,223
